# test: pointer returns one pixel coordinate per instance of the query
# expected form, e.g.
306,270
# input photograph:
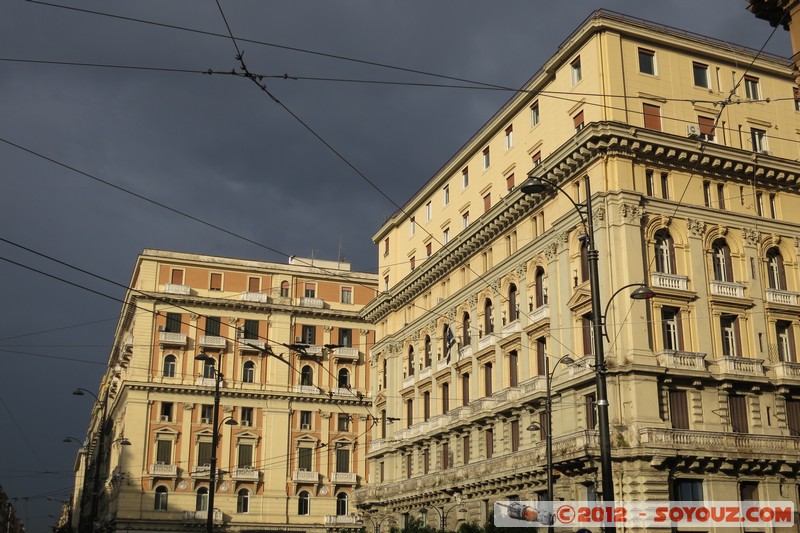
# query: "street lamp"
83,526
535,185
442,514
548,408
212,476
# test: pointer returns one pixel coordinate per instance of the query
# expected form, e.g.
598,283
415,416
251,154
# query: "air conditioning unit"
165,418
305,426
693,130
245,423
205,420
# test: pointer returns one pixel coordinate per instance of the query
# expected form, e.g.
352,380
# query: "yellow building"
695,199
302,415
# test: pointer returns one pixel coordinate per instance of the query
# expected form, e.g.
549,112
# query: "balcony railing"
718,441
487,341
201,471
786,370
408,381
344,478
168,337
775,296
245,473
727,288
377,445
314,350
681,360
257,297
252,345
740,366
317,303
465,352
306,389
212,341
511,328
174,288
669,281
442,363
345,352
425,372
164,470
540,313
305,476
205,382
339,520
202,515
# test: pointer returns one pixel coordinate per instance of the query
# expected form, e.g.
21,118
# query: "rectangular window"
785,337
164,452
446,236
212,326
748,491
386,247
751,88
510,182
412,262
514,435
465,178
760,203
465,220
665,186
445,456
343,422
408,466
304,459
253,284
513,369
773,206
204,454
793,416
649,182
305,419
687,490
426,406
588,334
737,407
412,226
343,460
489,436
346,337
647,61
487,379
678,409
246,417
465,389
428,250
386,283
487,202
577,121
731,342
446,195
173,323
575,69
721,196
311,288
486,158
541,354
536,159
509,137
707,193
534,113
671,328
759,139
166,411
250,329
216,282
347,295
428,212
700,74
409,413
707,130
176,277
245,456
465,443
426,460
652,117
206,414
590,405
309,334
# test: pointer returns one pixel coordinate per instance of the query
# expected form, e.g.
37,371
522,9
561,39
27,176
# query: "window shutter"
216,282
737,407
577,120
737,337
252,285
728,264
587,335
678,409
679,327
652,117
793,417
792,351
204,453
781,272
706,125
245,455
177,277
164,452
671,246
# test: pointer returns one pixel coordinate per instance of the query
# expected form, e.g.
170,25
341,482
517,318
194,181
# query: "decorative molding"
750,235
599,215
328,328
631,214
551,251
697,228
193,317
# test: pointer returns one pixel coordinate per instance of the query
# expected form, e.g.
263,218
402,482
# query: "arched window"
303,503
488,319
284,289
665,252
161,499
513,308
541,293
410,371
428,348
201,503
209,367
776,274
170,362
249,372
243,501
721,257
306,376
344,378
585,259
341,504
465,335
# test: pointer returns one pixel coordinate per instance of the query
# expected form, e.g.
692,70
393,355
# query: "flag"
449,341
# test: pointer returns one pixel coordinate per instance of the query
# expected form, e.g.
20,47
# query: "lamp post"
535,185
548,408
443,514
212,476
95,494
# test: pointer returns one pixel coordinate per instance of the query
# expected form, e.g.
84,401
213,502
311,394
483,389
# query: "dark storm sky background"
219,149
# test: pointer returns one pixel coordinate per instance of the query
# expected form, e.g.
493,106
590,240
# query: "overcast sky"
218,148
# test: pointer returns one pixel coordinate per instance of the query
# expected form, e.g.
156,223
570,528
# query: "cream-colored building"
298,449
695,199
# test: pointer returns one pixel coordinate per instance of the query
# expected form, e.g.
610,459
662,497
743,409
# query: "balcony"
162,470
540,313
245,473
681,360
306,389
252,345
202,515
173,339
212,341
257,297
534,384
317,303
344,478
728,289
673,282
346,353
377,445
740,366
442,363
719,442
409,381
201,471
511,328
205,382
786,370
425,372
341,520
465,352
174,288
305,476
775,296
487,341
314,350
